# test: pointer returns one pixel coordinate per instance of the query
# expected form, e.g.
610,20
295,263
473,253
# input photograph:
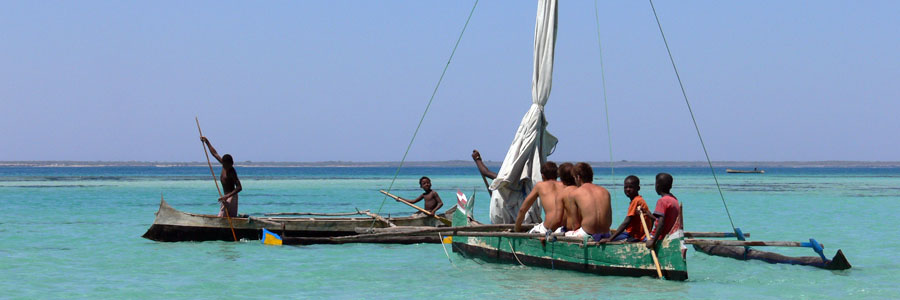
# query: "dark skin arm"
211,149
526,205
658,224
481,167
618,231
237,185
437,197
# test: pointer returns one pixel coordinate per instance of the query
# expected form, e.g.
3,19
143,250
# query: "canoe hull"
618,259
172,225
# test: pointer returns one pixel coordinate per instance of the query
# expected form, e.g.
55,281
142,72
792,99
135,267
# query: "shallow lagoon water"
75,233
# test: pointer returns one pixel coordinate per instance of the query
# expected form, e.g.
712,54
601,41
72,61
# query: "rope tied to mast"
422,119
684,93
612,169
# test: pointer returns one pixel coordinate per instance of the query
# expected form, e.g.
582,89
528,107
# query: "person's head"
227,161
663,183
583,173
565,173
549,171
425,183
632,186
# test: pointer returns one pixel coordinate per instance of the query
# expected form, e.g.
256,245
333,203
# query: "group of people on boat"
575,206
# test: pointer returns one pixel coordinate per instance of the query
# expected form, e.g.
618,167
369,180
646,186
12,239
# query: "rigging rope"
612,169
683,93
422,119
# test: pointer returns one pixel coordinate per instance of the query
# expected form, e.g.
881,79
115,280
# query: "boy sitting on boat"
432,199
667,212
631,229
592,203
548,190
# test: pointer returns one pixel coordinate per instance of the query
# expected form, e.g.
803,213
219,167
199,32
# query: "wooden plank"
746,243
264,221
699,234
380,218
442,219
316,214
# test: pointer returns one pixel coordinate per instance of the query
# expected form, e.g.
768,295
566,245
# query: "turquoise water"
75,233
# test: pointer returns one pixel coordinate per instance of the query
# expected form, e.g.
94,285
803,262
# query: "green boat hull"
616,259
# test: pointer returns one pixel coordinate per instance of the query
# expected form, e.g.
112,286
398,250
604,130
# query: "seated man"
666,211
593,204
548,190
572,219
631,228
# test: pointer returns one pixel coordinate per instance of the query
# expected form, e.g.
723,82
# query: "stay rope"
612,169
683,93
422,119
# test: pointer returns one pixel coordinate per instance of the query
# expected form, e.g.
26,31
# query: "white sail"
532,143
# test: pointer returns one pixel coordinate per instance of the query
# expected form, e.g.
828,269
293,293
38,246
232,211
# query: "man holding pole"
231,185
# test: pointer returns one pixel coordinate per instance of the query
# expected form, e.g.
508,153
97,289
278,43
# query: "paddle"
230,225
442,219
652,252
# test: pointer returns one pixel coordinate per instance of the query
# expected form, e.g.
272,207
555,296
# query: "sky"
349,80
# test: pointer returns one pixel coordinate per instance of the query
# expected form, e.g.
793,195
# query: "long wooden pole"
442,219
215,180
652,252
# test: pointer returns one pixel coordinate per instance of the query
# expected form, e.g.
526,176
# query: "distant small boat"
755,170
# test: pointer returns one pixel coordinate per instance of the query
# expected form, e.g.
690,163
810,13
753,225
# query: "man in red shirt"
666,211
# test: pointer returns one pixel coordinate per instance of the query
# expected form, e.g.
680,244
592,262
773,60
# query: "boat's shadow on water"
514,279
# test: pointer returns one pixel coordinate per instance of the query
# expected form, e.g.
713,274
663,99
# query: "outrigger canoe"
172,225
615,258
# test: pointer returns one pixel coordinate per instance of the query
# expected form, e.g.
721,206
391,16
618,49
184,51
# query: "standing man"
231,185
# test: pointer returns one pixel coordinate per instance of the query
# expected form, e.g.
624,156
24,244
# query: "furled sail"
532,143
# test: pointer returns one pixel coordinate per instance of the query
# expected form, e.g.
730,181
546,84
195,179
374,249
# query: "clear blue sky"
348,80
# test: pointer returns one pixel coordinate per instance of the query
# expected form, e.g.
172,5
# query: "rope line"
612,169
422,119
683,93
513,250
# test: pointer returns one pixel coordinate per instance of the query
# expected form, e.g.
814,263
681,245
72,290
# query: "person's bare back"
592,202
593,205
573,218
548,190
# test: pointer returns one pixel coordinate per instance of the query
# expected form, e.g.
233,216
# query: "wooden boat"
616,258
755,170
172,225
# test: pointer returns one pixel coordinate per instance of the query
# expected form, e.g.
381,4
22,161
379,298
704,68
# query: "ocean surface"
75,232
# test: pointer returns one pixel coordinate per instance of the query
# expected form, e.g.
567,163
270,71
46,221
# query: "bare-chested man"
231,185
548,190
592,202
432,199
573,219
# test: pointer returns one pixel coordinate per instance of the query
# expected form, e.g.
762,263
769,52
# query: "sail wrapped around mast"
532,144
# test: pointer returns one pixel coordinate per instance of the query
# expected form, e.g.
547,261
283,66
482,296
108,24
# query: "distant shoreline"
459,163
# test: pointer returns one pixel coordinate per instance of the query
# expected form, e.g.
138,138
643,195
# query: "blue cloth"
600,236
622,236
